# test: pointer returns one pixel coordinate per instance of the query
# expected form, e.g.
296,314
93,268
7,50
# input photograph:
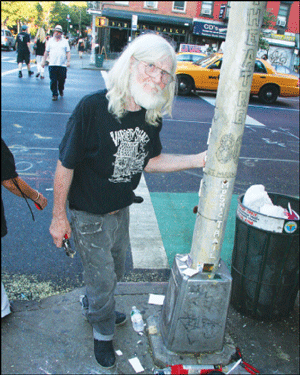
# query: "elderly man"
60,56
111,137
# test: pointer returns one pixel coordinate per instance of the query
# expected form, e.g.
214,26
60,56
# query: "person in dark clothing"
40,43
80,47
23,49
15,184
111,137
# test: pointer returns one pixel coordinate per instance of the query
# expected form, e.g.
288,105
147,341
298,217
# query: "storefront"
119,33
209,33
282,50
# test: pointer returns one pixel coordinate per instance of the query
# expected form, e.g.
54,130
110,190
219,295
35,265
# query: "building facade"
201,23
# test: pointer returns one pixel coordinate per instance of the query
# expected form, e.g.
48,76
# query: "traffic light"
102,22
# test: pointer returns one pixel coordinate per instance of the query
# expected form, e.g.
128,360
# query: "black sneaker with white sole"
104,353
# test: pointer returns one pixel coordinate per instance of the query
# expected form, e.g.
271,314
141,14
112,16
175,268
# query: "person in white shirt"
59,50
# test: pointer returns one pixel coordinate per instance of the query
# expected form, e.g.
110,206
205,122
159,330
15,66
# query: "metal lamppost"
194,314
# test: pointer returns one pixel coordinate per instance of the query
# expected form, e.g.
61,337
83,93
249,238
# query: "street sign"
94,11
101,22
134,22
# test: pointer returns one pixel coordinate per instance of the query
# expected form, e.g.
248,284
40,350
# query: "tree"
268,20
17,13
45,14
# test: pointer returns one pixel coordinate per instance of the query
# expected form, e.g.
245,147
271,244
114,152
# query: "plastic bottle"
137,320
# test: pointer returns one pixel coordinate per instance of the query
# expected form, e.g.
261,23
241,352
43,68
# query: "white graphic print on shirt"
130,156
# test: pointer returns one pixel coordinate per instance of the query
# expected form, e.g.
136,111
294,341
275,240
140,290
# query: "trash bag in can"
265,261
99,61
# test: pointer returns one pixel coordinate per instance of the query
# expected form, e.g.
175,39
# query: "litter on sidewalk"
156,299
257,199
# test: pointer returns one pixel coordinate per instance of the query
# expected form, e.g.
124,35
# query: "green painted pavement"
176,221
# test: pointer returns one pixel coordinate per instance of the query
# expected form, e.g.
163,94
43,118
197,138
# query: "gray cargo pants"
102,242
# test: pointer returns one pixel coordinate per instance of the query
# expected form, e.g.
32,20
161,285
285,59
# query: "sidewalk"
85,62
51,337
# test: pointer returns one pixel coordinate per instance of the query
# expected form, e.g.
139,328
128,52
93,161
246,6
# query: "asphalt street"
33,125
48,335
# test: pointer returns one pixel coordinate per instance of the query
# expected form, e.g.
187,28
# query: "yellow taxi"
190,56
267,84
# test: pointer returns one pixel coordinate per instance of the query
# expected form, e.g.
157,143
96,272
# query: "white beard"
147,100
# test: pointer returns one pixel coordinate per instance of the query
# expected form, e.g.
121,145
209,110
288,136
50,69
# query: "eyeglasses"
153,71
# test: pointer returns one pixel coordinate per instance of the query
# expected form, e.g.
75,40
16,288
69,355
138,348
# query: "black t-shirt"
8,171
107,155
22,40
40,50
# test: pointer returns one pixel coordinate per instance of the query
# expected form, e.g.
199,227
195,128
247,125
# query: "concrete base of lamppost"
193,319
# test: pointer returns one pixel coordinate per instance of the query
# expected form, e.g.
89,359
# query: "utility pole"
226,134
194,314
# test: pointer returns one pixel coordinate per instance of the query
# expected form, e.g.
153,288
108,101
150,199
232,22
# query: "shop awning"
148,18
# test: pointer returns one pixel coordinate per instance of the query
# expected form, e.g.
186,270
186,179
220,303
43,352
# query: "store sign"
192,48
160,29
210,30
289,38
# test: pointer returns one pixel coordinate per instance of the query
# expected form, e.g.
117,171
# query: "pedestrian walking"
80,47
15,184
111,137
58,50
39,46
23,50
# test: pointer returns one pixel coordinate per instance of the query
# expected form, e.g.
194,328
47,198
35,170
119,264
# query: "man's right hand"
58,228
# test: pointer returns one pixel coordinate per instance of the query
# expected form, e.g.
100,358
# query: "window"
178,6
283,13
216,65
207,8
227,9
259,67
122,3
151,4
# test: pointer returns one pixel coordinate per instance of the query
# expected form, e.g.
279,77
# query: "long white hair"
149,48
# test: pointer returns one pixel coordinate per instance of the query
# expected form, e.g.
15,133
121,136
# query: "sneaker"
104,353
20,74
30,73
42,77
121,318
37,75
54,97
61,93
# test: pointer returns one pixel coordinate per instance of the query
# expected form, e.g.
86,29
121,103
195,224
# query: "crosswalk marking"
147,248
249,120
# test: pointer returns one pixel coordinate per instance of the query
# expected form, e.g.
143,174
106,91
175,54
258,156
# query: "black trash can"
265,262
99,61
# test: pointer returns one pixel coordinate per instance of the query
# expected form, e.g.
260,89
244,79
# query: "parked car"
190,56
267,84
7,40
